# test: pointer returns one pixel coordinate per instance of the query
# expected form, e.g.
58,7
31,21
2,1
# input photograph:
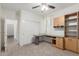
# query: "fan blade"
35,6
51,6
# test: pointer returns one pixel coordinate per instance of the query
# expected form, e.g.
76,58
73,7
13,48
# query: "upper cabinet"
59,21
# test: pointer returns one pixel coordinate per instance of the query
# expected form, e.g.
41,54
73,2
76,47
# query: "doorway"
11,32
8,34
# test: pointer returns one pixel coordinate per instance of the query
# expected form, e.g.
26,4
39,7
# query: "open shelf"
71,19
71,25
72,30
70,34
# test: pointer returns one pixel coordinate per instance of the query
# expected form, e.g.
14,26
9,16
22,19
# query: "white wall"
29,26
10,29
11,15
43,26
50,18
8,14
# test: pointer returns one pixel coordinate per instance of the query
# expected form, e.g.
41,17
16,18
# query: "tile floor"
43,49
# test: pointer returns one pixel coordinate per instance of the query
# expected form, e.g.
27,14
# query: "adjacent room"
39,29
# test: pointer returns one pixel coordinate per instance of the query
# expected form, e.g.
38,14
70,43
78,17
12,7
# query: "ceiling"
28,6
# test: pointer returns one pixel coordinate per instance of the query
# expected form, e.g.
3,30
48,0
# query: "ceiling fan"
44,6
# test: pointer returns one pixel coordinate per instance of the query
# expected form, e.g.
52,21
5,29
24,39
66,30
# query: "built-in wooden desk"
56,41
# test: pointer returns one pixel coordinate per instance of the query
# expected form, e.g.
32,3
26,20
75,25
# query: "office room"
39,29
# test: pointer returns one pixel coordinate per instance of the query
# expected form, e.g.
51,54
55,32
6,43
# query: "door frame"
5,31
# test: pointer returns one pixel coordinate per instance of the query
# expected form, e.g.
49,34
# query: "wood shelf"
71,31
74,19
71,24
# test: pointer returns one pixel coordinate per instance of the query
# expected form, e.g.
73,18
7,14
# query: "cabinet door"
61,21
71,44
56,22
59,43
78,46
66,43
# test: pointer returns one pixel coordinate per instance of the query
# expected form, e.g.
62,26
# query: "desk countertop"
49,35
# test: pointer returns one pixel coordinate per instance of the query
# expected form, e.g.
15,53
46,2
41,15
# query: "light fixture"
44,7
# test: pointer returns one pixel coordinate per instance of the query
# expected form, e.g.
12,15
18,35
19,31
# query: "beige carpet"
43,49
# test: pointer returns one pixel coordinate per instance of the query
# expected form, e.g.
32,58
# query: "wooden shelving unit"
71,28
71,25
72,31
